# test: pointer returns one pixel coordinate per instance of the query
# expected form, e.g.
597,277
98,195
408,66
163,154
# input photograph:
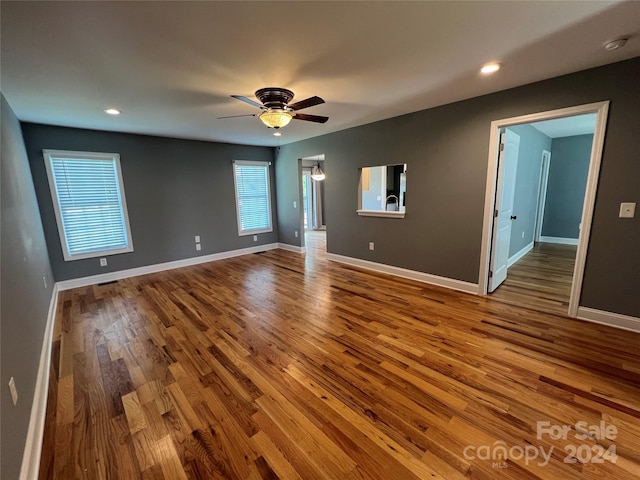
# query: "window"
253,197
88,198
382,191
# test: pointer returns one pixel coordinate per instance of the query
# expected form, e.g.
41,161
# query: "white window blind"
253,197
89,202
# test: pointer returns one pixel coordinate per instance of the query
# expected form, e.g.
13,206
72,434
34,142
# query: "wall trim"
292,248
518,255
30,467
160,267
451,283
617,320
559,240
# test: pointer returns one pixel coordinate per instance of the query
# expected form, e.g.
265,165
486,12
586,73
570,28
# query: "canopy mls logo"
592,451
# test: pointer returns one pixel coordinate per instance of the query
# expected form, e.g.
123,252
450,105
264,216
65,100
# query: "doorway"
501,220
313,212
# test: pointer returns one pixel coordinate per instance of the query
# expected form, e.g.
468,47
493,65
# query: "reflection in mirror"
383,188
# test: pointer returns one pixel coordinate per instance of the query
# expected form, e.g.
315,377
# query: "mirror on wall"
383,190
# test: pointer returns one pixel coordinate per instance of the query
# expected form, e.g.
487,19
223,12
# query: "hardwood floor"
316,243
540,280
281,365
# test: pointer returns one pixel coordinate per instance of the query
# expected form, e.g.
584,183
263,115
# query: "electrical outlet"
372,246
198,247
197,238
296,233
255,238
295,204
103,262
13,390
44,280
523,234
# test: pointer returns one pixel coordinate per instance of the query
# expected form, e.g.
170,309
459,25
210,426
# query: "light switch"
627,210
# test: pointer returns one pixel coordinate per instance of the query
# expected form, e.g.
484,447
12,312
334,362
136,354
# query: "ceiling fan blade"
311,118
247,100
309,102
235,116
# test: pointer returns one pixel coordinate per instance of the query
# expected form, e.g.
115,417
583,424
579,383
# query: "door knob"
513,217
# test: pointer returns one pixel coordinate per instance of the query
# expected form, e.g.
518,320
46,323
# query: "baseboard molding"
517,256
559,240
624,322
30,467
292,248
160,267
406,273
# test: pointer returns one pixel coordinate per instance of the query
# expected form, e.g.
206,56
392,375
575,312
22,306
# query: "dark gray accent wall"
525,203
24,298
175,189
446,149
288,191
568,171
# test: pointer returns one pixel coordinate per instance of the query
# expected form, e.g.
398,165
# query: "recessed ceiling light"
490,68
277,134
112,111
615,44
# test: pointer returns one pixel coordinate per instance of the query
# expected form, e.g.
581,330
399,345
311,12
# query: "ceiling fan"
277,112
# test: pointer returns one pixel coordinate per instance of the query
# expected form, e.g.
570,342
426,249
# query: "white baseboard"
160,267
517,256
559,240
603,317
292,248
30,467
406,273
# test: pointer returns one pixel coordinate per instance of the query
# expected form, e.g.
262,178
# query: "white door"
506,188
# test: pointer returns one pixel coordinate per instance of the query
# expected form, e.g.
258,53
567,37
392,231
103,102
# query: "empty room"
343,240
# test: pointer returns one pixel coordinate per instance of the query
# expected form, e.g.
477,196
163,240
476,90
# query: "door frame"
601,109
542,193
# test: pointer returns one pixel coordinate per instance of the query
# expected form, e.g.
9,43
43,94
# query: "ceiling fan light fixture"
317,174
276,118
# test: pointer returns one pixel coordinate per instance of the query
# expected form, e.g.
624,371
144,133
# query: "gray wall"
446,149
289,191
525,204
23,296
568,170
175,189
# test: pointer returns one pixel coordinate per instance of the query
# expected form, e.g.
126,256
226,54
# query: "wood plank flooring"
540,280
281,365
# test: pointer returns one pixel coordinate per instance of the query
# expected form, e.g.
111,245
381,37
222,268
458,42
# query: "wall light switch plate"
198,247
103,262
627,210
295,204
296,233
197,238
13,390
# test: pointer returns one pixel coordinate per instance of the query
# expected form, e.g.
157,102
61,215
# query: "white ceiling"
567,127
171,66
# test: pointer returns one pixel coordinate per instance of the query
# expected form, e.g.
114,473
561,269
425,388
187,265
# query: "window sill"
380,213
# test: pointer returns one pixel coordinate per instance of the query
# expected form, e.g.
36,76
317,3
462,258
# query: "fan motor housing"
274,97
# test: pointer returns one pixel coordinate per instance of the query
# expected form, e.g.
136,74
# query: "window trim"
48,155
242,233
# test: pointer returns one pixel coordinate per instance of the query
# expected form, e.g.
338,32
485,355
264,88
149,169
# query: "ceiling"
568,126
171,66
